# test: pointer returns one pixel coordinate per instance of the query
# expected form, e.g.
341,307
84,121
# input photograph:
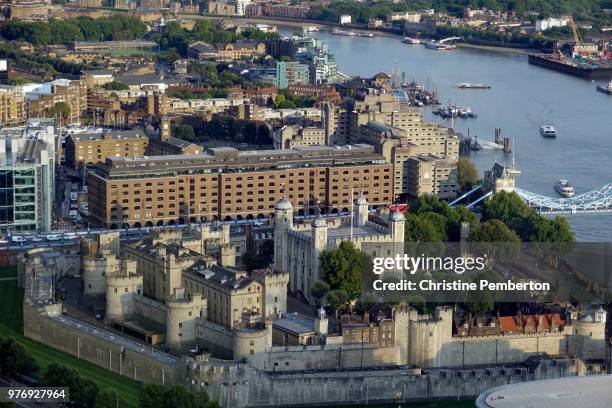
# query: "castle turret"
361,212
274,284
121,289
283,222
319,240
321,323
396,225
95,269
182,312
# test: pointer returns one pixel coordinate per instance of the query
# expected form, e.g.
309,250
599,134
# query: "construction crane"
575,32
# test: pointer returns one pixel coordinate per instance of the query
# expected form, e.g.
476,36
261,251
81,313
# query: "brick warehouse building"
227,184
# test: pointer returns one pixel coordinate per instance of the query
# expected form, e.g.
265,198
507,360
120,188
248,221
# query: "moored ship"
467,85
409,40
343,32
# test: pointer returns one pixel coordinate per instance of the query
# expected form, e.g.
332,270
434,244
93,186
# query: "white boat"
605,89
564,188
440,46
548,131
409,40
312,29
467,85
343,32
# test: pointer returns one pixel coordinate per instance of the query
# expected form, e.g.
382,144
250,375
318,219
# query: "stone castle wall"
324,357
110,355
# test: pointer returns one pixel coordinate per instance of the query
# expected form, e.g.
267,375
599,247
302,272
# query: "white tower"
283,222
319,244
361,212
396,224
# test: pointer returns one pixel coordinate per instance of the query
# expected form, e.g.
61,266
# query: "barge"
583,70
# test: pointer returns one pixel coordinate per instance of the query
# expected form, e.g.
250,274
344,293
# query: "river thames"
521,99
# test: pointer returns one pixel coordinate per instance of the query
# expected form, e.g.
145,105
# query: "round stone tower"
121,289
283,222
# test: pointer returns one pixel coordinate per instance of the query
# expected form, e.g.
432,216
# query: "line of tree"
50,64
226,128
114,27
173,36
159,396
361,12
15,360
115,86
287,100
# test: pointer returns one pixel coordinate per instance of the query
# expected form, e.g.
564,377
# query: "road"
48,239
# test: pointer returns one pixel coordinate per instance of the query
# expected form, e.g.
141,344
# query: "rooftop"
222,277
228,159
107,135
295,323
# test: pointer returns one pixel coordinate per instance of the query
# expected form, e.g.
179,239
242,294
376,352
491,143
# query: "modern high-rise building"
291,73
27,175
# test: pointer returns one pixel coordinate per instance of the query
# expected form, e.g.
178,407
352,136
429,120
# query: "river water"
522,98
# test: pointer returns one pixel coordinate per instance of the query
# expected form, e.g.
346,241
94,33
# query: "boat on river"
605,89
344,32
468,85
410,40
564,188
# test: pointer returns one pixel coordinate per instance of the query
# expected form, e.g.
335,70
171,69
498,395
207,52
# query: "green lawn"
122,53
8,271
11,325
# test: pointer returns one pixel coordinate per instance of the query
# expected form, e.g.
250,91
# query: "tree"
159,396
83,391
342,269
494,231
179,396
152,396
214,129
15,360
263,135
169,56
59,110
467,175
337,299
480,301
184,131
115,86
233,128
495,239
318,291
108,398
250,133
421,230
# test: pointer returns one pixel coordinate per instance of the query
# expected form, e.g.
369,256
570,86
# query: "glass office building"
27,171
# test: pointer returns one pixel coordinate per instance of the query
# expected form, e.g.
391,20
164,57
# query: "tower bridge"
595,201
503,178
